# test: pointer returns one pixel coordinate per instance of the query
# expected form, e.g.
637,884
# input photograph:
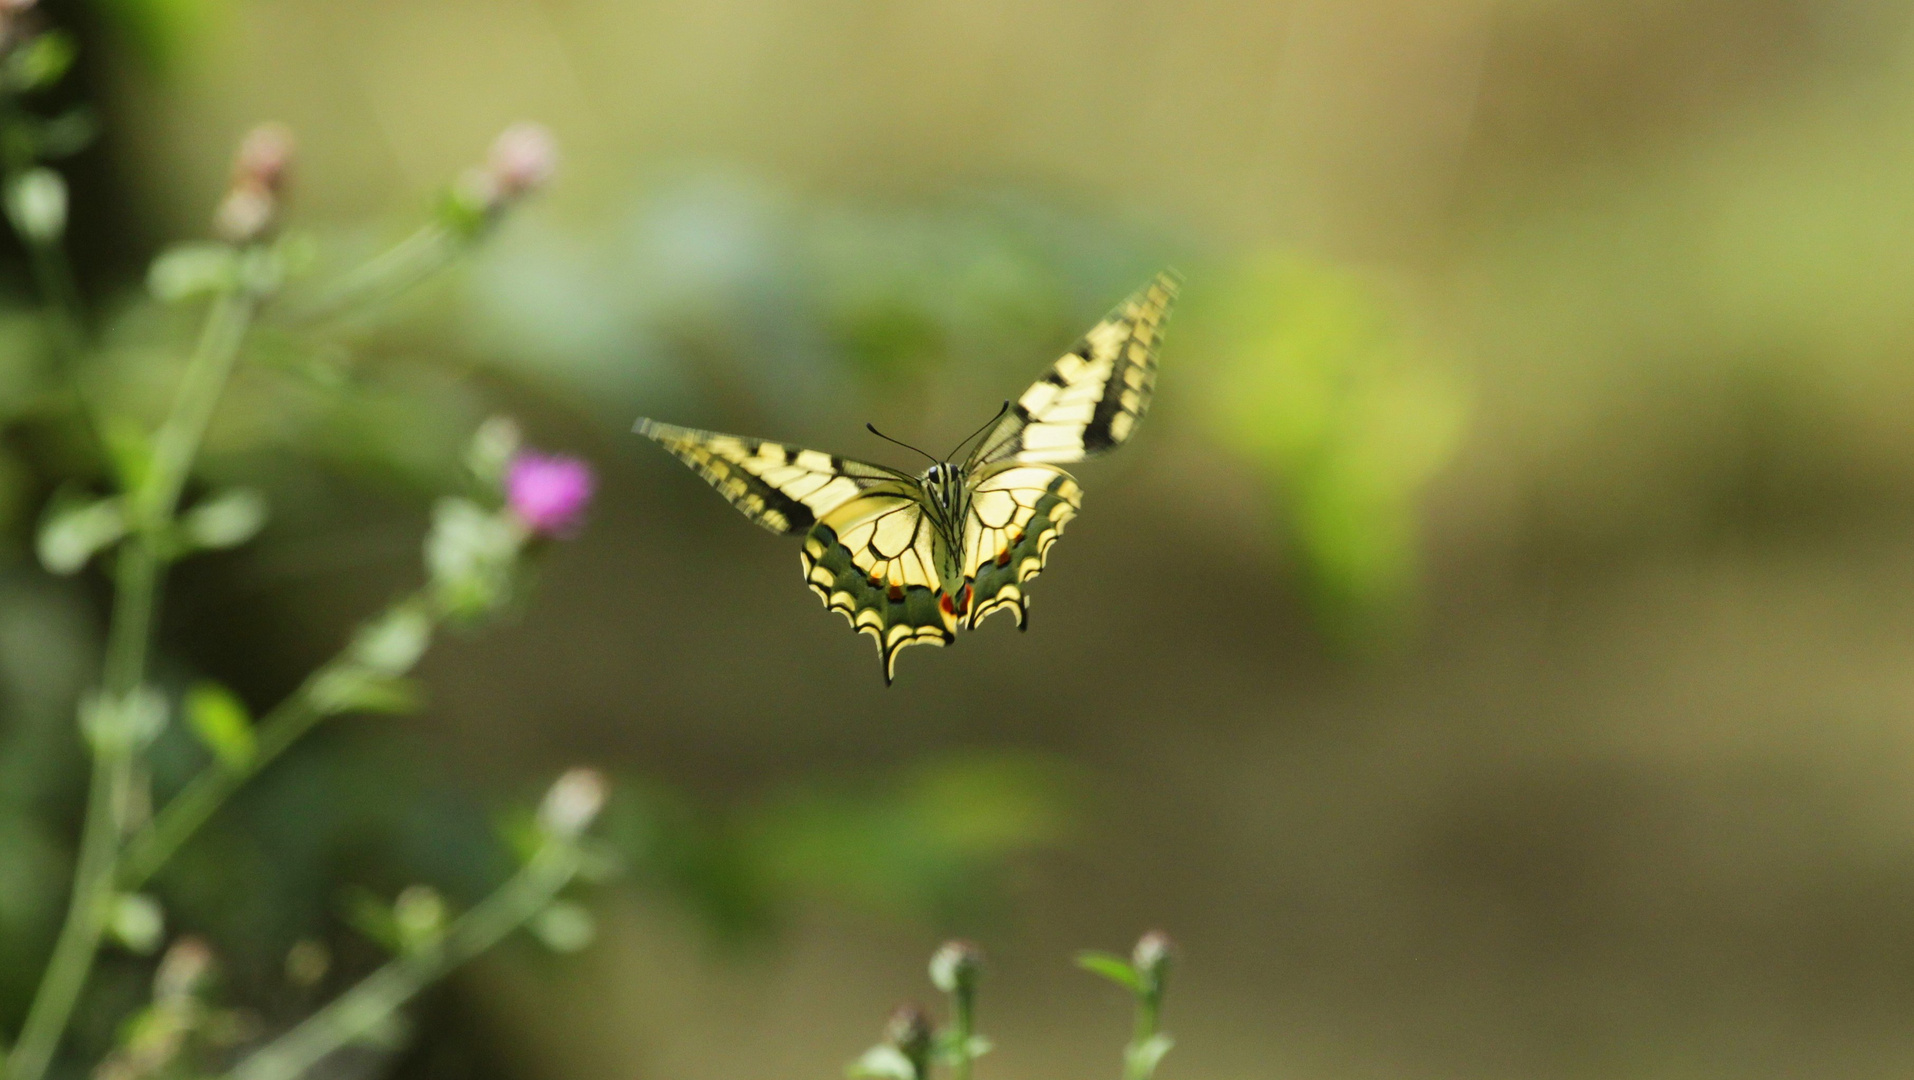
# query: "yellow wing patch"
1016,512
874,561
1093,396
783,488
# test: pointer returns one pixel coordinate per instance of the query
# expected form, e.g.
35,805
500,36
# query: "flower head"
549,492
251,205
523,159
573,802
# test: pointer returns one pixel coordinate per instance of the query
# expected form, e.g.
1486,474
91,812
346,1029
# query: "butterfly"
908,559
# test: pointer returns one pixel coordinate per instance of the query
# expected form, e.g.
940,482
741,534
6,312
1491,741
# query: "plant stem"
963,1023
428,249
359,1011
152,847
136,592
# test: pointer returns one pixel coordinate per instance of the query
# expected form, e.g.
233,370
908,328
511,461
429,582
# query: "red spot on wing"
896,591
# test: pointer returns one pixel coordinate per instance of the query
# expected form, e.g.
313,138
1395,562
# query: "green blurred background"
1494,658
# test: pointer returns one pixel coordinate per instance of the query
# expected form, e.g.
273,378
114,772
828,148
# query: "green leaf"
1144,1056
883,1063
36,204
130,449
184,271
41,61
357,689
222,723
1112,967
137,923
564,927
226,520
393,643
74,532
945,1049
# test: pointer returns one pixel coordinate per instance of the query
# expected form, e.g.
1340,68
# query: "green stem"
181,817
963,1025
427,250
153,846
137,581
361,1010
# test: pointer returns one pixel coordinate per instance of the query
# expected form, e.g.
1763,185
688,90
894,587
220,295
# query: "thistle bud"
183,971
1152,957
909,1031
522,160
251,205
573,803
953,968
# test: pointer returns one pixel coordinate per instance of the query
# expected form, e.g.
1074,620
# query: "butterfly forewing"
1093,396
874,560
784,488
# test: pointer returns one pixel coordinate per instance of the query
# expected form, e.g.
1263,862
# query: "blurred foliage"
1320,380
930,843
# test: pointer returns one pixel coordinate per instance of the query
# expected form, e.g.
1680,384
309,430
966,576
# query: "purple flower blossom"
549,492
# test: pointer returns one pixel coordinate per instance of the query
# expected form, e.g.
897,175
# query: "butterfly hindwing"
785,489
874,560
1016,512
1093,396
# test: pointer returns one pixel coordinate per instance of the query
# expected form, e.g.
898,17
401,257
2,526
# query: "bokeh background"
1493,659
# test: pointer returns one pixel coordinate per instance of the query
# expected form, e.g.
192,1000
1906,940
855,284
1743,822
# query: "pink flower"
549,492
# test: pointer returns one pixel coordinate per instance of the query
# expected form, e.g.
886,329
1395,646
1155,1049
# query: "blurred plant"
154,516
915,1049
1323,386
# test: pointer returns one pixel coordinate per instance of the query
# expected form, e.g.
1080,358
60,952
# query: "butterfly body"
911,559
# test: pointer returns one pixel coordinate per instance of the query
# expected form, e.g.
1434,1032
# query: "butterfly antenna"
900,442
988,424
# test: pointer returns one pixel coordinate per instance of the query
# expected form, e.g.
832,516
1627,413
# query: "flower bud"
183,971
953,968
522,160
1153,955
573,803
251,205
909,1030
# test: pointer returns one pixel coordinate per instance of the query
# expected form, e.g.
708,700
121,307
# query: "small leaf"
36,204
392,644
1114,968
138,923
187,270
40,61
370,916
564,927
1144,1056
945,1048
358,689
73,533
130,450
67,134
222,724
226,520
883,1063
419,917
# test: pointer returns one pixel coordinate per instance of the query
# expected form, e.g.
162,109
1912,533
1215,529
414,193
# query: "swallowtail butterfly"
908,559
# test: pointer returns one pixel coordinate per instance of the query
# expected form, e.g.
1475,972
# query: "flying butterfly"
908,559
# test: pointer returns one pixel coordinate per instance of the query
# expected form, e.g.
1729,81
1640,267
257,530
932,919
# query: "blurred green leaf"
222,723
1144,1057
163,33
883,1063
564,927
40,61
1114,968
1322,383
74,531
184,271
357,689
